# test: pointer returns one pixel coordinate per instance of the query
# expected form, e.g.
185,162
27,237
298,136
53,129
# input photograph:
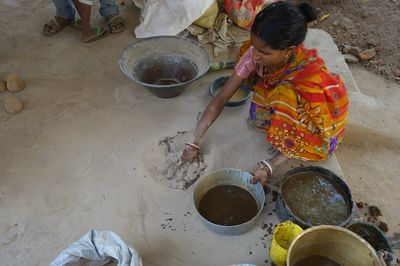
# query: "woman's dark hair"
283,24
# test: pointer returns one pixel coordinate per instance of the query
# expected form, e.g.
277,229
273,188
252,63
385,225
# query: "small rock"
347,23
335,23
396,72
351,59
367,54
3,87
372,43
345,48
355,50
15,83
12,104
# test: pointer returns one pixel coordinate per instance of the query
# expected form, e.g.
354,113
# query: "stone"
367,54
335,23
347,23
15,83
351,59
396,72
345,48
13,104
3,87
372,43
355,50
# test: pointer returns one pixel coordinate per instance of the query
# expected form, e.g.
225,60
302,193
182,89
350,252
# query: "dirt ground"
365,24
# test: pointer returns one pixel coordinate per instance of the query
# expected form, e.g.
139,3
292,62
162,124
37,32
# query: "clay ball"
2,86
12,104
15,83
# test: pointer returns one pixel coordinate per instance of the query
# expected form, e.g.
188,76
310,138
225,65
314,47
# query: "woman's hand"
189,154
262,174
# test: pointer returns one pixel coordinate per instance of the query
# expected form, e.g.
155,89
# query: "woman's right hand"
189,154
261,174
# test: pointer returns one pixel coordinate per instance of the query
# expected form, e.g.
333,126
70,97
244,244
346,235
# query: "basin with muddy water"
228,205
315,196
165,65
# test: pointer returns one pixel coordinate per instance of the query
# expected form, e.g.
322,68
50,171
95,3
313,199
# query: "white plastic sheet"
168,17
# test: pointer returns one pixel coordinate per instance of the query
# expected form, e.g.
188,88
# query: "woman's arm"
210,114
215,107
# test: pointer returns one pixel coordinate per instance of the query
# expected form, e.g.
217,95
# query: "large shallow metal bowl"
334,242
235,177
283,210
165,65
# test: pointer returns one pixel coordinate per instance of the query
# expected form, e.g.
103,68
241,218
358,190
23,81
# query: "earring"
290,59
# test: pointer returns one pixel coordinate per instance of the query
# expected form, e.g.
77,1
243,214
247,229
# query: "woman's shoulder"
312,71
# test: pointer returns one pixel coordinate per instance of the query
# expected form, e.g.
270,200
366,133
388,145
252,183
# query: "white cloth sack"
96,248
168,17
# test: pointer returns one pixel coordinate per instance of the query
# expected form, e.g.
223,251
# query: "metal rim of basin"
198,46
232,229
335,178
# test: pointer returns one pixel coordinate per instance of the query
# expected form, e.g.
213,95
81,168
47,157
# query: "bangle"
194,146
268,165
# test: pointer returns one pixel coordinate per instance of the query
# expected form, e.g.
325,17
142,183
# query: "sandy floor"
77,156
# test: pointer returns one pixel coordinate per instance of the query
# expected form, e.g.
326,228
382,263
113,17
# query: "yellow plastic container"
283,236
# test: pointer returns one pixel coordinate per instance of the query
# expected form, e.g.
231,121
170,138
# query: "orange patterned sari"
302,107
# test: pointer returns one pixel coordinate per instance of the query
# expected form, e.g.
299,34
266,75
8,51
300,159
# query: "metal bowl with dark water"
165,65
313,196
229,178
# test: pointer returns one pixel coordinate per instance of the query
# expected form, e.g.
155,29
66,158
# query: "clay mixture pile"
370,28
163,160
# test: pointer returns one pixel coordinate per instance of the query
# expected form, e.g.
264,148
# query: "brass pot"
336,243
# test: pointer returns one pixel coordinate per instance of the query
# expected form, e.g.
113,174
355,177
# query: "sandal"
100,33
116,24
55,25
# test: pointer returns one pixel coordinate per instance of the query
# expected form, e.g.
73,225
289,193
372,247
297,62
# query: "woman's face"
263,54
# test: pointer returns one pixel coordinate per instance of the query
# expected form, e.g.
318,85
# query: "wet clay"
371,235
163,160
228,205
315,198
316,260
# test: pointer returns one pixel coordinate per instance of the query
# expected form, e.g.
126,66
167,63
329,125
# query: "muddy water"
316,199
316,260
237,96
228,205
166,70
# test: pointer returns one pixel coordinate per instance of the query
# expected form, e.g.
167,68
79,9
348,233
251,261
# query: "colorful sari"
302,107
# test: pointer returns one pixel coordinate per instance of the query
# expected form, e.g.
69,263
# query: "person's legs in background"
65,14
109,10
84,8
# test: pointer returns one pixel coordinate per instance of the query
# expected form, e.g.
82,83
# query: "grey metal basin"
165,65
229,176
